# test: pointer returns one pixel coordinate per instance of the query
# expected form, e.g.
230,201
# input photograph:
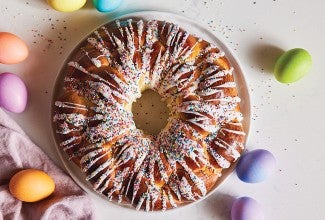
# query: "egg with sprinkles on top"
66,5
246,208
31,185
12,49
13,93
107,5
256,166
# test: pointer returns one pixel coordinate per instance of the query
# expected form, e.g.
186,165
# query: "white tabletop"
286,119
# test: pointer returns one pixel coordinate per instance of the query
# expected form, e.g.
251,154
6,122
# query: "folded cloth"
18,152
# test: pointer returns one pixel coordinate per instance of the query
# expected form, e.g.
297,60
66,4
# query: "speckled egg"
246,208
12,49
256,166
13,93
292,65
66,5
31,185
107,5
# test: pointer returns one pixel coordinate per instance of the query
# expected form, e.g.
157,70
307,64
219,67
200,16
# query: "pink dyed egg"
13,93
246,208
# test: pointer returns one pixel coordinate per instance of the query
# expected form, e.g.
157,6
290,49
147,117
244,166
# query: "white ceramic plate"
193,28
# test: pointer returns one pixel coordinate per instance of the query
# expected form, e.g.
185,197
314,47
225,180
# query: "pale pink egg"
13,93
12,48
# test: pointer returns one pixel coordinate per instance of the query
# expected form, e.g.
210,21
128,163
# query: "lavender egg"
246,208
13,93
256,166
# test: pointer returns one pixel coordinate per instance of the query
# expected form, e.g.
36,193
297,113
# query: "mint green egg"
292,65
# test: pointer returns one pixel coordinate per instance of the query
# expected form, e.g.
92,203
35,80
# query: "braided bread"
94,124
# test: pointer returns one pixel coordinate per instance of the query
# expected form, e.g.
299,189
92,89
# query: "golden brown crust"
204,134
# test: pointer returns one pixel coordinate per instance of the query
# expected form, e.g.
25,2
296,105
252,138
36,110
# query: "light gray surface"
286,119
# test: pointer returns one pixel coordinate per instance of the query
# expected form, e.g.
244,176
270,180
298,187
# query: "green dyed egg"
292,65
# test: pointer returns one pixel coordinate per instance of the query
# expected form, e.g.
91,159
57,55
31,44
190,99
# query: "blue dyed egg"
256,166
107,5
246,208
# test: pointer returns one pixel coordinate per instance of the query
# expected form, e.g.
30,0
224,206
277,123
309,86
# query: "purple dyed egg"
13,93
256,166
246,208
